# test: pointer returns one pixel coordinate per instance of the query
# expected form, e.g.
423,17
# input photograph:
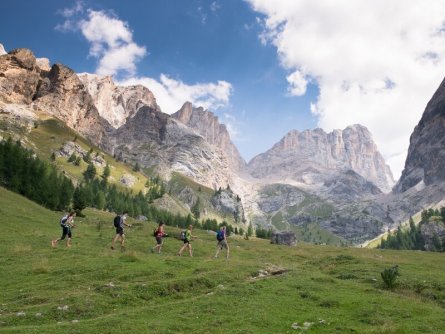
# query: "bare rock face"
61,93
207,125
426,154
43,64
308,156
433,234
155,139
283,238
229,203
19,76
116,103
58,92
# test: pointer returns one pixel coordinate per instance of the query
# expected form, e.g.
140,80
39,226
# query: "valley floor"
92,289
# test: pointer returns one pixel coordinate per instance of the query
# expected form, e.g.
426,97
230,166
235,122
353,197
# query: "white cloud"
171,94
215,6
111,40
70,14
297,83
376,62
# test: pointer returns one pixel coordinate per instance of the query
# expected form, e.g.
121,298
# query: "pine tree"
136,167
106,173
79,202
196,209
90,172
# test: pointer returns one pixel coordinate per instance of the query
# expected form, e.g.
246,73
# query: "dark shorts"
159,240
186,241
222,244
120,231
66,231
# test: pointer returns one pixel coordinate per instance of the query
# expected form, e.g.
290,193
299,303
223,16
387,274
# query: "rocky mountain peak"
116,103
20,76
208,126
426,154
299,154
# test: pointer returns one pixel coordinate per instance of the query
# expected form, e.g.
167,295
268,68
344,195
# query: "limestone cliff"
425,162
116,103
58,92
215,133
309,156
155,139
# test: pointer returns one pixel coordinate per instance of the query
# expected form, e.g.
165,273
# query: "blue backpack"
220,235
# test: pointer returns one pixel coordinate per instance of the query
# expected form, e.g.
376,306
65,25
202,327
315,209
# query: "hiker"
188,237
67,222
159,234
119,223
221,236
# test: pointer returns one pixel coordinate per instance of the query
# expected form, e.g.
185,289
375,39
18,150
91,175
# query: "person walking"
119,223
159,234
66,222
221,237
187,239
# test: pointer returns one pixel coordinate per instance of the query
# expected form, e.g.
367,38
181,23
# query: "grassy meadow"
89,288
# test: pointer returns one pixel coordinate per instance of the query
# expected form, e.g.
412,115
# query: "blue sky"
264,67
188,41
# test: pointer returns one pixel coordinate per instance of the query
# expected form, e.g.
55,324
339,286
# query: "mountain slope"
309,156
105,291
426,154
215,133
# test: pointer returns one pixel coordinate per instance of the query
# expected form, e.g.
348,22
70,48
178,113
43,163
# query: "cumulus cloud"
111,39
376,63
171,94
111,42
297,83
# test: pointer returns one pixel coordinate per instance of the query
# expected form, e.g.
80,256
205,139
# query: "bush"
389,276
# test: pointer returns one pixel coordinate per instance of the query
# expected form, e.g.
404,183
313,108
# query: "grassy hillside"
50,135
90,289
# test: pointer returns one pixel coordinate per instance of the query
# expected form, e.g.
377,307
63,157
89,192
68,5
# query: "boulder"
283,238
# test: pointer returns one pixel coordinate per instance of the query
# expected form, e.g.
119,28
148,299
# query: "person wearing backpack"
66,223
159,233
221,237
187,239
119,223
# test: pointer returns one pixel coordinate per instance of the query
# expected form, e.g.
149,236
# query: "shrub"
389,276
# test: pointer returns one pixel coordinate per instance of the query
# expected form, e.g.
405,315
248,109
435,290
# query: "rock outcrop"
433,234
61,93
229,203
283,238
58,92
116,103
207,125
155,139
426,154
2,50
309,156
19,76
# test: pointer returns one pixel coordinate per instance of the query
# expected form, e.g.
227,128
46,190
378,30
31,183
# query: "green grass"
163,293
50,135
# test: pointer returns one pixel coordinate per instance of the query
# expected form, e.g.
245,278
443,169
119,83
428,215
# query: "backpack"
220,235
155,232
182,235
63,220
117,221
